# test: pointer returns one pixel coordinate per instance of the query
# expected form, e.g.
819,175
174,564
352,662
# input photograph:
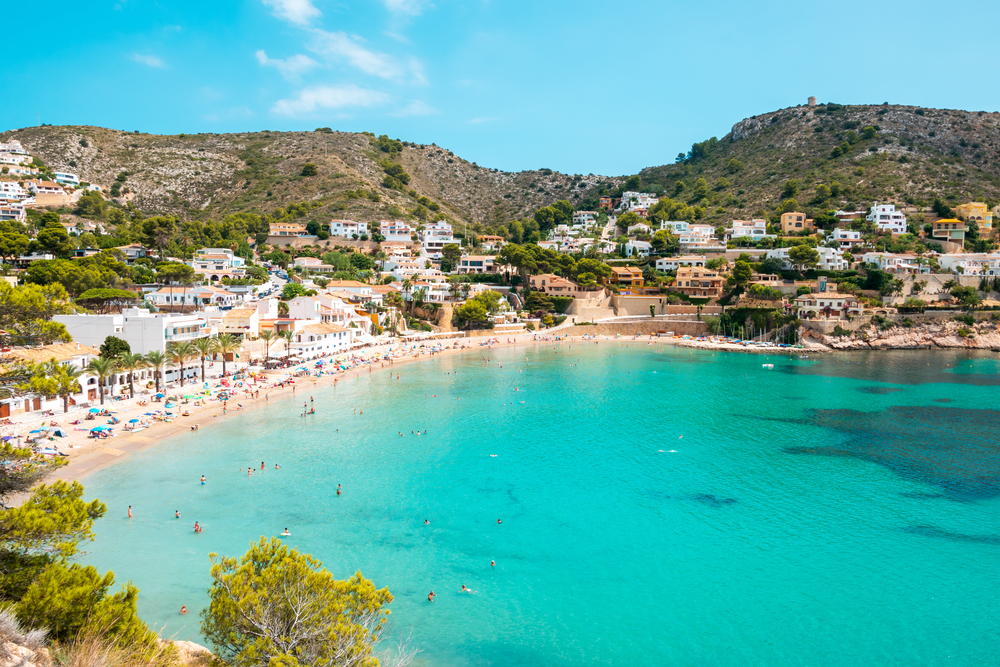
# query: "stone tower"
812,101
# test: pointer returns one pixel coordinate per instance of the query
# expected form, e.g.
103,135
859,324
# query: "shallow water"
659,506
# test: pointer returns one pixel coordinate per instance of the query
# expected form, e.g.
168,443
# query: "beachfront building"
319,340
827,305
144,331
348,229
830,259
240,322
887,218
75,355
698,281
977,212
674,263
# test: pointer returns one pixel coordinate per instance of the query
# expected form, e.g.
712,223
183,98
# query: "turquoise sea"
659,506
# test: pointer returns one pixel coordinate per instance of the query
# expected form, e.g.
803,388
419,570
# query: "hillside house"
887,218
348,228
827,305
699,282
795,222
978,212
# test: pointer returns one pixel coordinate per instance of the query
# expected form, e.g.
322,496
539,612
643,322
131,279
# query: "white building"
674,263
887,218
65,178
142,330
846,237
970,263
827,305
45,188
477,264
395,230
638,249
220,258
637,202
830,259
183,296
754,229
13,211
585,218
347,228
13,147
313,264
9,159
318,340
639,228
12,191
434,237
895,263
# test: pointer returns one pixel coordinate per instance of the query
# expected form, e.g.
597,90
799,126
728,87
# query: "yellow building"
796,222
978,212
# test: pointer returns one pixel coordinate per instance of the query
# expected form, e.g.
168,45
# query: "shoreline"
95,455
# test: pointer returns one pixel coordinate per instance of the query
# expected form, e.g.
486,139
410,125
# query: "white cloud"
152,61
300,12
487,119
417,69
290,68
339,45
318,98
408,7
416,108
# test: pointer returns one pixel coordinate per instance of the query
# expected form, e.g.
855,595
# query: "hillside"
913,156
212,175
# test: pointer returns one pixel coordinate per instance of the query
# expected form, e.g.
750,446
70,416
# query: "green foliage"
387,145
106,300
70,600
308,169
114,347
362,262
292,290
539,302
276,606
742,272
559,213
802,289
803,256
175,272
561,303
733,166
52,238
475,312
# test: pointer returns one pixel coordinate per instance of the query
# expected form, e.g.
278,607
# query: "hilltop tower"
812,101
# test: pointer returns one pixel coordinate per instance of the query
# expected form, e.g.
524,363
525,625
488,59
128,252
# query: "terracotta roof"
345,283
57,351
240,312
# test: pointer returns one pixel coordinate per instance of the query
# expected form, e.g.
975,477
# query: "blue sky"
582,86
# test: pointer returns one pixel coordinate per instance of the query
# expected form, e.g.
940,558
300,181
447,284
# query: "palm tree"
179,353
267,336
287,336
102,368
67,380
227,344
407,288
130,363
204,347
156,360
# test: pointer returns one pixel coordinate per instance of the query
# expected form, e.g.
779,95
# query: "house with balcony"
949,229
585,218
828,305
321,340
313,265
978,212
74,355
970,263
144,331
492,243
14,212
186,297
699,282
845,237
674,263
395,230
749,229
240,322
625,276
887,218
796,222
638,248
554,285
434,237
902,263
348,229
830,259
11,191
45,188
66,178
288,229
477,264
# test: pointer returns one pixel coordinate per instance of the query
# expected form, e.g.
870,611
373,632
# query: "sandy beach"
86,454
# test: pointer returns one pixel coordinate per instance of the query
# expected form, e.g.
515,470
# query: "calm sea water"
659,506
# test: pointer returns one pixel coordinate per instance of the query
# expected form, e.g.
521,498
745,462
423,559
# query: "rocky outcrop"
952,334
191,654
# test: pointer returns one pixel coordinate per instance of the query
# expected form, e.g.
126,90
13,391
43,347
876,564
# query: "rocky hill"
211,175
823,157
911,155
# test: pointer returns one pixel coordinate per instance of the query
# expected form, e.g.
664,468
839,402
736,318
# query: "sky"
579,86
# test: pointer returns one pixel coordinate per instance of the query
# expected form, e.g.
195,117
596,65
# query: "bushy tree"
114,347
276,606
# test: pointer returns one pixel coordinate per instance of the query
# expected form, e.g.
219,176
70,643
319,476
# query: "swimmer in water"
276,466
427,522
430,596
184,609
261,465
467,590
286,533
202,479
177,514
197,528
130,511
338,492
498,521
493,563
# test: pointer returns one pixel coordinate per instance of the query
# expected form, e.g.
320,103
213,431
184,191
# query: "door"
36,404
4,410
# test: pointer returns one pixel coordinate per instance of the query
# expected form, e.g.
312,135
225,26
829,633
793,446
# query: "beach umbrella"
93,410
98,428
133,421
35,431
159,396
7,438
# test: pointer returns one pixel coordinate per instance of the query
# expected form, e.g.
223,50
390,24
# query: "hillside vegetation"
838,157
213,175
